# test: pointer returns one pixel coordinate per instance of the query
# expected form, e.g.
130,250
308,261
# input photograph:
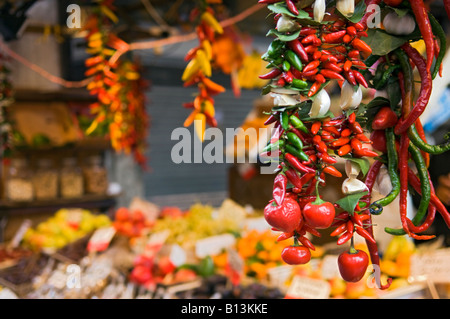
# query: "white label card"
308,288
213,245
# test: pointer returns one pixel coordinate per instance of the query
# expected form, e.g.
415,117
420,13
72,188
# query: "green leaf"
283,36
382,43
349,202
394,92
398,11
281,7
363,163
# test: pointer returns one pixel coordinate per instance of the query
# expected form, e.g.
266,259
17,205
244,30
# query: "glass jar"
45,180
71,179
95,176
19,186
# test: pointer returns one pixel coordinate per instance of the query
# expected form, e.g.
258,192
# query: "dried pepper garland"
314,46
119,86
199,69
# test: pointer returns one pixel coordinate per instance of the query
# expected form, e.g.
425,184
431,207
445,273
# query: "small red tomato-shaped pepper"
378,138
296,255
385,118
319,214
353,264
285,217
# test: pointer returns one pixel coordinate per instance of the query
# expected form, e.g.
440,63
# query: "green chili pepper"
297,153
376,207
294,140
381,83
300,84
439,32
275,48
274,146
294,59
285,120
422,172
421,144
408,76
297,123
286,66
274,63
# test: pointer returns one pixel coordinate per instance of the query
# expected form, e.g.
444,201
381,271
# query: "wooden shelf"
87,201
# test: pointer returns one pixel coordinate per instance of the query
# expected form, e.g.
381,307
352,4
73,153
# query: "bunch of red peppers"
313,46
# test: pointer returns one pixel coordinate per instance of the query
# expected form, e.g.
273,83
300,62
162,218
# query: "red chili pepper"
295,163
360,78
364,152
350,227
334,37
298,48
284,236
271,75
365,234
351,30
331,170
340,142
312,231
311,66
356,127
423,21
346,132
352,118
356,144
350,77
332,66
331,74
327,158
312,38
357,218
288,77
279,188
316,127
294,178
384,119
362,46
271,119
363,138
344,150
320,78
424,94
307,31
347,38
339,230
344,238
291,6
332,130
353,54
347,65
328,58
306,242
310,49
314,89
317,54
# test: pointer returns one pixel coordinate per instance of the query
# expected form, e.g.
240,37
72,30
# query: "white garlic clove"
352,186
346,7
352,169
321,104
319,10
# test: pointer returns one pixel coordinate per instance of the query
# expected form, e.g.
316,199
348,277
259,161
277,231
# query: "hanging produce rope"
314,46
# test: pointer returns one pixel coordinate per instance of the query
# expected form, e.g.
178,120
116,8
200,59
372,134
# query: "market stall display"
313,47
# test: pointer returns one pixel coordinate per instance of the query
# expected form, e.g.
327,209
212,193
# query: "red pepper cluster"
329,52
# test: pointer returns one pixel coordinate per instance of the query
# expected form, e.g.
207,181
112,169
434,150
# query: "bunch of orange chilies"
118,87
199,70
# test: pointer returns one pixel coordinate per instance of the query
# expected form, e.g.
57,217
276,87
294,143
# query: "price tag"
308,288
433,266
279,275
258,223
177,255
20,233
330,267
100,239
213,245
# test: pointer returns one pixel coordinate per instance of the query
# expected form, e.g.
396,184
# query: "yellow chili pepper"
206,45
200,125
190,70
205,65
212,22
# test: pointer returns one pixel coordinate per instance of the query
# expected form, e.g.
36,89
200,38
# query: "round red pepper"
319,214
296,255
385,118
285,217
353,265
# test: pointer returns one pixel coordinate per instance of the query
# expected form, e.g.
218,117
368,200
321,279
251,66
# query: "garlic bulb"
287,24
397,25
284,99
352,186
321,104
319,10
350,99
383,184
346,7
352,169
